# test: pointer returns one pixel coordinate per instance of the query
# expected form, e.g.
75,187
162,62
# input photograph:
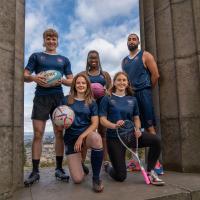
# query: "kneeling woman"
120,105
83,132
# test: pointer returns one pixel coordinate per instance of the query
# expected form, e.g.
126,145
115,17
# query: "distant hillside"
31,133
48,137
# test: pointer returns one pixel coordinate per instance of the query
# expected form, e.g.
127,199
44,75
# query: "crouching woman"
82,132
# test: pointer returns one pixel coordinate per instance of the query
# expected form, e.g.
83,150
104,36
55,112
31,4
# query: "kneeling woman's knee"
96,141
77,180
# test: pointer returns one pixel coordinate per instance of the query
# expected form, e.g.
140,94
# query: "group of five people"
96,120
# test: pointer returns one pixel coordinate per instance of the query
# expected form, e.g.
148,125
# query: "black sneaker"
85,169
97,185
60,174
33,177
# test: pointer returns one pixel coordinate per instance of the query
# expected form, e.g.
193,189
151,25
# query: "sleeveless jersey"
97,79
138,74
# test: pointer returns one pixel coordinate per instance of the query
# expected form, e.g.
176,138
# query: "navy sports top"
97,79
138,74
118,108
83,114
42,61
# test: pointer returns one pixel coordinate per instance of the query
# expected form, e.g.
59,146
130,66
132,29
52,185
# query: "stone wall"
171,32
11,90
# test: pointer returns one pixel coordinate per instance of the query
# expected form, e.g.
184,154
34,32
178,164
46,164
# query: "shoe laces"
154,176
32,174
61,170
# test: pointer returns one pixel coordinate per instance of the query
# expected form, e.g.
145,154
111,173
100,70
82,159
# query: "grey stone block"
168,91
148,7
6,88
190,129
188,84
160,5
164,33
180,196
195,195
183,28
196,13
149,27
20,30
18,111
7,21
6,159
171,144
18,156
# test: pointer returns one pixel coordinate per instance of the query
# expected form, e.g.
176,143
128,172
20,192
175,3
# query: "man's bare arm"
150,63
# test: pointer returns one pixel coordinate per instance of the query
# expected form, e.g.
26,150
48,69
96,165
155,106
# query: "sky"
82,25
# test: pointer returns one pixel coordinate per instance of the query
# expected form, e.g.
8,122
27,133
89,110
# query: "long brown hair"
129,90
73,93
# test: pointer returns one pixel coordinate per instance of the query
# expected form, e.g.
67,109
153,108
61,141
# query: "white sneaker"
154,179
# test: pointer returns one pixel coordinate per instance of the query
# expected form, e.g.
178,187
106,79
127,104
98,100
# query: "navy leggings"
117,153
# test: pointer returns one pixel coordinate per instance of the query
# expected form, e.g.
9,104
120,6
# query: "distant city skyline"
82,25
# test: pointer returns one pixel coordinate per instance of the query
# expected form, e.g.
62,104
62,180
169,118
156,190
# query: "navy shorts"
145,104
43,106
69,144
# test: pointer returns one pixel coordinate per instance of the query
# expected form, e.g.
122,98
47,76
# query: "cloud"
109,41
97,12
82,25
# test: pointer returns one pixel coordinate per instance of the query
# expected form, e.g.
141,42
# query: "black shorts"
43,106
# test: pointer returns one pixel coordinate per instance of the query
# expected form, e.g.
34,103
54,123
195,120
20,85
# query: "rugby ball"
51,76
98,90
63,116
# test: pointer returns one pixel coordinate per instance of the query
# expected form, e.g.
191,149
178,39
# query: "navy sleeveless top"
138,74
97,79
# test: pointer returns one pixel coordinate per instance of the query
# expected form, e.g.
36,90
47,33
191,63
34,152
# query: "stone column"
12,94
171,32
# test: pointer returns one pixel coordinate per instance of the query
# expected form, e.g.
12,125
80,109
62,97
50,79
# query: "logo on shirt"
130,102
113,101
60,60
42,58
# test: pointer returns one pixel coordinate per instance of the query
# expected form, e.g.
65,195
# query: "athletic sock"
59,160
35,164
96,162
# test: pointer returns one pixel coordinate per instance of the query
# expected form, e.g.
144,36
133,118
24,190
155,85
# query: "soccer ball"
63,116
